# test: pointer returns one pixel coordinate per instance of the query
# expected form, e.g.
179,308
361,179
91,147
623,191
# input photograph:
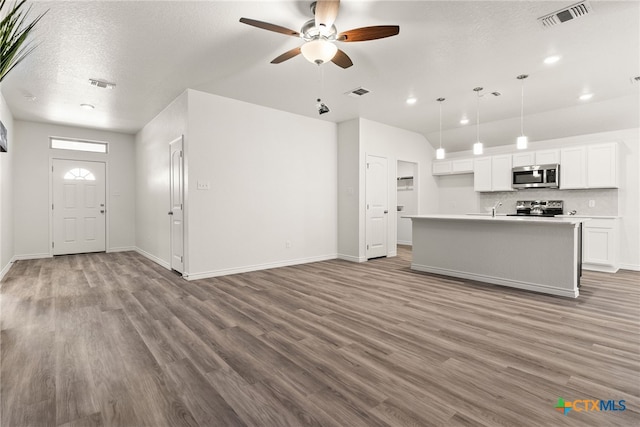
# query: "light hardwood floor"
113,339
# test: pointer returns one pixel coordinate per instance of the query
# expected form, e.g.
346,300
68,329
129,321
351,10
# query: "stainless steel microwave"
537,176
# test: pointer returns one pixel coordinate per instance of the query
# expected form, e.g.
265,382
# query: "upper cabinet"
492,173
452,167
591,166
542,157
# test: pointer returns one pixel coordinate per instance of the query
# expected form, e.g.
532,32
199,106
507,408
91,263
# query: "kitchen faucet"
495,208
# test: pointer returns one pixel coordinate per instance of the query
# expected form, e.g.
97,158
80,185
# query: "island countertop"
503,218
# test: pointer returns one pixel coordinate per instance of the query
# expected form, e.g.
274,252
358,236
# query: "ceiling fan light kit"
320,35
319,51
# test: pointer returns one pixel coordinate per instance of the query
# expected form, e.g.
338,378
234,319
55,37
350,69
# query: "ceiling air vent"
567,14
101,84
357,92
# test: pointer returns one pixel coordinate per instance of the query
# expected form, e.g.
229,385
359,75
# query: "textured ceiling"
154,50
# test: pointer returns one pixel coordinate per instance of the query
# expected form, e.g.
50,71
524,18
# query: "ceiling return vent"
577,10
101,84
357,92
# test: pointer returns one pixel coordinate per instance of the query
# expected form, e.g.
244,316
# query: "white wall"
6,192
152,180
398,144
350,198
457,196
31,185
273,179
372,138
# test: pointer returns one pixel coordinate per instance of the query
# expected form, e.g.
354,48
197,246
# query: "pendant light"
522,141
440,151
477,147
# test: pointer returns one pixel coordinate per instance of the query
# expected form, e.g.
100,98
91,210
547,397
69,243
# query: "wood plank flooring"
115,340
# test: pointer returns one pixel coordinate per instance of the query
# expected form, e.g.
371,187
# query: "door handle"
101,211
386,211
170,213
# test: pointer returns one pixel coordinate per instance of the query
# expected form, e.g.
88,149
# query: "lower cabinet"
600,245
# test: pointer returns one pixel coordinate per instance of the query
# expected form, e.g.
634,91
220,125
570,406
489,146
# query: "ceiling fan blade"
368,33
342,60
326,12
270,27
287,55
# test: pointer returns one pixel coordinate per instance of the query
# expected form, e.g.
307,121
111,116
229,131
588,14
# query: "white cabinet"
492,173
541,157
591,166
547,157
482,174
600,244
524,159
501,173
573,168
441,167
602,171
452,167
462,166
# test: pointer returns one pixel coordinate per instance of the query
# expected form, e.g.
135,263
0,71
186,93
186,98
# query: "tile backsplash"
605,200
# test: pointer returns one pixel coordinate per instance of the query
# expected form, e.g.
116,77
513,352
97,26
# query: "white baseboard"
122,249
256,267
6,268
632,267
600,268
351,258
392,253
31,256
153,258
536,287
405,242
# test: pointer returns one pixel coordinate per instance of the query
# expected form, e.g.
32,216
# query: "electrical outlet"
203,185
592,203
287,244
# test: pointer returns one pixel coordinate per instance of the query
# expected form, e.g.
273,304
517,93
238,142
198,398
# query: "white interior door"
176,212
377,206
79,211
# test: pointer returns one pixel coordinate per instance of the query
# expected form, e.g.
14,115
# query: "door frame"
185,206
366,183
106,196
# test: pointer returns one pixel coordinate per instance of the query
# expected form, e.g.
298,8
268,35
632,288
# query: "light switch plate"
203,185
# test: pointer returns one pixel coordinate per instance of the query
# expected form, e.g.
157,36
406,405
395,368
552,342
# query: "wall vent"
101,84
357,92
577,10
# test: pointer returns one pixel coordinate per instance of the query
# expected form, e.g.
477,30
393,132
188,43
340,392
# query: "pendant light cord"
478,118
522,110
441,123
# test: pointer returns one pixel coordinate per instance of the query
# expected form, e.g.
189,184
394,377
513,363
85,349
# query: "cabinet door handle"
170,213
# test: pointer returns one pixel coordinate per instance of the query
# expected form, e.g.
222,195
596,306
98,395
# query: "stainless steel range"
544,208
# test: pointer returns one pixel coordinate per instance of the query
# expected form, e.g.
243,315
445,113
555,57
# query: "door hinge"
181,259
367,247
367,165
51,168
51,206
53,245
180,153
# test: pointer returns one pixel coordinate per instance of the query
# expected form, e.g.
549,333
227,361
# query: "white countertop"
589,216
503,218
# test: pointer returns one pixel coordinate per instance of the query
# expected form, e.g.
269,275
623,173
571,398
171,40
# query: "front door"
176,212
377,210
79,211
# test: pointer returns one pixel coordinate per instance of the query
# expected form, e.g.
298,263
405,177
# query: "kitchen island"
536,254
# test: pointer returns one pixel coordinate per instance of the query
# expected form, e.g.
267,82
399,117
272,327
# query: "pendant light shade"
522,141
478,147
440,151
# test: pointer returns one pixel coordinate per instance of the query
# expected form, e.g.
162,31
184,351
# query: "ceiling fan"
320,35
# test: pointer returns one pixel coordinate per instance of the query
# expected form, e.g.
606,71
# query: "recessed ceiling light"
464,121
87,106
551,59
586,96
412,100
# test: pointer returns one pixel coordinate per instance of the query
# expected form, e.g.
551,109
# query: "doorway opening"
407,200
